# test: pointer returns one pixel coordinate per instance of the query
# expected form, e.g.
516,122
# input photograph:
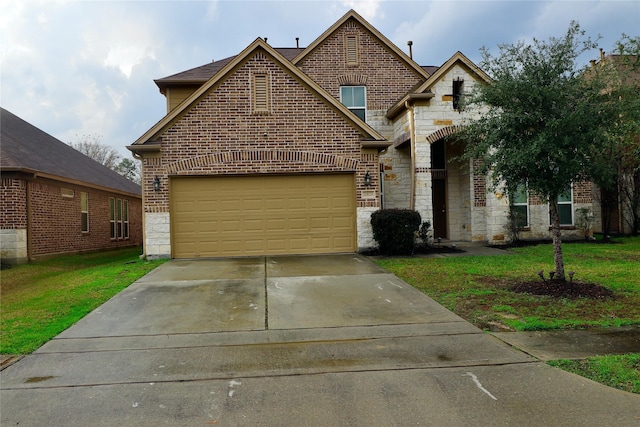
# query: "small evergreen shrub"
395,229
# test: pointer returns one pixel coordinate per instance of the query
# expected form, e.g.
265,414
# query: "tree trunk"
557,240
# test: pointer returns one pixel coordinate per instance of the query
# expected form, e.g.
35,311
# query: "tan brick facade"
219,132
300,134
386,78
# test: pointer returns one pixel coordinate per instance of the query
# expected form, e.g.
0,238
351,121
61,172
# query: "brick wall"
387,79
13,197
222,135
56,219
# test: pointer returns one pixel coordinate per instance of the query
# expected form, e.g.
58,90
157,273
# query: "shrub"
394,230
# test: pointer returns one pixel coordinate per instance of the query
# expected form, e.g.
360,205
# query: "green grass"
42,299
619,371
476,287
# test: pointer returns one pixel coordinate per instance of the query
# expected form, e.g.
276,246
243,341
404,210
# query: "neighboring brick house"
56,200
290,150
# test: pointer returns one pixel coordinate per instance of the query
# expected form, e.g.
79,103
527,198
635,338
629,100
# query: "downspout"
142,203
412,139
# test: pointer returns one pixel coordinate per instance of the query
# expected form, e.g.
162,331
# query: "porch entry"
439,189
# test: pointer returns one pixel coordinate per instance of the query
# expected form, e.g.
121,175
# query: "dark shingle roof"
27,148
203,73
430,68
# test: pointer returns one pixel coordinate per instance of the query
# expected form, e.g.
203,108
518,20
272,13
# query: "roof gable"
258,45
28,149
423,91
388,44
458,57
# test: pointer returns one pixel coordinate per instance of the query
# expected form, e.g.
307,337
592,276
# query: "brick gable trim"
337,163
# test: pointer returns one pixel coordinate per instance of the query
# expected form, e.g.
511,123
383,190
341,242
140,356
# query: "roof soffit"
259,44
373,31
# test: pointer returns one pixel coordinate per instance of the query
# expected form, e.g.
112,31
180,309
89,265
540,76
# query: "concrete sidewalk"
324,340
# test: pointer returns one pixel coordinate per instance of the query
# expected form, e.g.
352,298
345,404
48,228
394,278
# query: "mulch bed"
562,289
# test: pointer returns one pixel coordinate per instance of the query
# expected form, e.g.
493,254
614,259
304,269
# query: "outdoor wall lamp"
367,179
156,183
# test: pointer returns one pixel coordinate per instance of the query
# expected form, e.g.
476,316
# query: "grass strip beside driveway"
477,289
40,300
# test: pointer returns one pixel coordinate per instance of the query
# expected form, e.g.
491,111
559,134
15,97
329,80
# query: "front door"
439,200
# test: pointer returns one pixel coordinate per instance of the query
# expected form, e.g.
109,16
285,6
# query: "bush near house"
395,229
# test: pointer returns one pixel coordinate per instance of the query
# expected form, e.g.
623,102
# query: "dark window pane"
85,221
565,214
521,217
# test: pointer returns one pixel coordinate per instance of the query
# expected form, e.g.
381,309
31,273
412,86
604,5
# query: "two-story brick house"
290,150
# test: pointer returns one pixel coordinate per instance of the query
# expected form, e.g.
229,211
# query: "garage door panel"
234,216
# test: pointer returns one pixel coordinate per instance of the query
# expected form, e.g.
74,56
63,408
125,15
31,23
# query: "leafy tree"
129,169
621,156
540,120
90,146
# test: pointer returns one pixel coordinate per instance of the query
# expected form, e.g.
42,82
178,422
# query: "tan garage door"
265,215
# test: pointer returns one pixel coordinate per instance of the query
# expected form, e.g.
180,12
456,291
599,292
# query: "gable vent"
260,93
351,47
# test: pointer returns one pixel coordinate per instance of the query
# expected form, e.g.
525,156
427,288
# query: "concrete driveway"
305,341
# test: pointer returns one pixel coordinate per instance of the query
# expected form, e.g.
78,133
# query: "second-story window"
355,99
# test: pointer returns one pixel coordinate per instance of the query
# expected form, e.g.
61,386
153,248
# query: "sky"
84,70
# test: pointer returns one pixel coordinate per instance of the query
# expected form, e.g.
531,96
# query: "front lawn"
42,299
477,287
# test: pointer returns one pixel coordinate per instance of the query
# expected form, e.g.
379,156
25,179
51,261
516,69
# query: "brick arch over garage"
316,160
443,133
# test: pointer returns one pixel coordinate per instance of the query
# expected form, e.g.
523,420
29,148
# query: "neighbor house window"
260,93
125,219
354,98
520,206
119,218
351,49
84,211
458,89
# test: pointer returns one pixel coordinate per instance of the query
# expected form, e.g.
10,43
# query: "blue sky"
86,68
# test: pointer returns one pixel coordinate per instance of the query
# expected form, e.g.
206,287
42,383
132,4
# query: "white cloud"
368,9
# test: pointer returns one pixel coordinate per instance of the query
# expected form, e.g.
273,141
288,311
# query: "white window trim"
83,211
526,203
571,204
364,107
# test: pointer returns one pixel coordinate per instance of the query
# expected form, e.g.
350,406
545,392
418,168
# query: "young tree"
540,120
